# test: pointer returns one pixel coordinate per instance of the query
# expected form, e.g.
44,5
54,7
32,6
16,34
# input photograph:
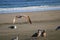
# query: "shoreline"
31,12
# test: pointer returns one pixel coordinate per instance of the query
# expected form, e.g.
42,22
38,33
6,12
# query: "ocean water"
8,6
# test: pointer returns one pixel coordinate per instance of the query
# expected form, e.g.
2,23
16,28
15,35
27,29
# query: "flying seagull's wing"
29,20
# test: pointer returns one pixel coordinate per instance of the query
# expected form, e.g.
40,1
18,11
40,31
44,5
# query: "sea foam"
29,9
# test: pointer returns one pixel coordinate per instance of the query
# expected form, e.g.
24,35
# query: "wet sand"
47,20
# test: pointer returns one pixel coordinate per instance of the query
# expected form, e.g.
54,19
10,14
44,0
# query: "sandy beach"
47,20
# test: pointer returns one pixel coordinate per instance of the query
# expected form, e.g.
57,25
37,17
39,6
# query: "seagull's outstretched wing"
14,20
29,20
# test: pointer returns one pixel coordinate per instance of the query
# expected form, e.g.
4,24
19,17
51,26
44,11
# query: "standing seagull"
26,17
15,38
43,34
58,28
37,34
12,27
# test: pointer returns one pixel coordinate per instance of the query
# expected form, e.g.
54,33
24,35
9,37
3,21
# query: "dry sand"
47,20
